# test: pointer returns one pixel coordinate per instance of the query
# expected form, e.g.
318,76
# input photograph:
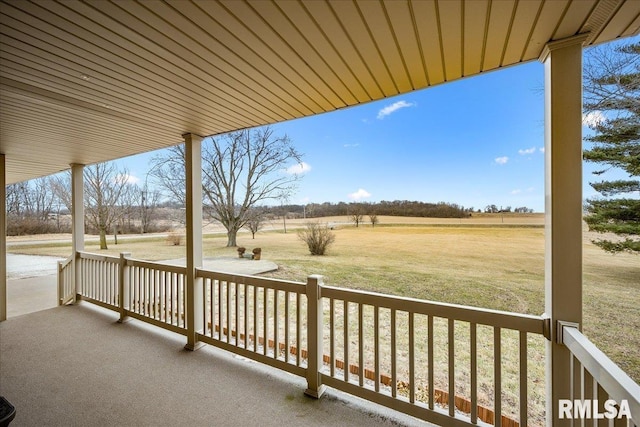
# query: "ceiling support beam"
77,224
3,239
193,170
563,208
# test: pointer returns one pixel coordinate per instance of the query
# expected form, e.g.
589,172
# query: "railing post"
60,282
315,314
76,264
123,287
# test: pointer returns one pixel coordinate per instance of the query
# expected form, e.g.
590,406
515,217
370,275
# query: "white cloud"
350,145
501,160
299,169
393,107
527,151
541,149
360,194
517,191
130,179
593,118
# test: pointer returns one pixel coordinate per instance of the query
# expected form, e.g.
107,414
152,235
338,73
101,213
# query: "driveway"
31,283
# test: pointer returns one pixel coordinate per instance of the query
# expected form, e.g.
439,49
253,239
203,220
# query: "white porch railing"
595,377
155,293
65,281
382,322
262,319
99,278
448,364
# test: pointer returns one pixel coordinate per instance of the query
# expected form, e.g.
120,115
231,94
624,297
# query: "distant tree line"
496,209
389,208
112,204
357,211
33,208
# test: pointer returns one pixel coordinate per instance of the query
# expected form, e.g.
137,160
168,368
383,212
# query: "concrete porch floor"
75,365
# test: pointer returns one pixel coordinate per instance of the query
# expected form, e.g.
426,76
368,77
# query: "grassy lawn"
487,266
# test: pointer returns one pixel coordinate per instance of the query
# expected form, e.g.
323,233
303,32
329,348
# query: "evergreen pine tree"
612,94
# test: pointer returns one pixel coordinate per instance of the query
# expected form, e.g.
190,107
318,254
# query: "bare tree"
41,198
240,170
373,218
244,168
61,187
149,201
104,186
356,214
16,203
255,221
31,199
169,172
29,206
128,205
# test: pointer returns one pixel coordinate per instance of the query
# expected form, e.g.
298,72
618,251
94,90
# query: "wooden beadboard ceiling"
89,81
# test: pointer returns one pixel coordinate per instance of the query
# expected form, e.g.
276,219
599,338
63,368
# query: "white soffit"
89,81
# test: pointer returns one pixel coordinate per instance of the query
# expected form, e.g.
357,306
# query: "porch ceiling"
84,82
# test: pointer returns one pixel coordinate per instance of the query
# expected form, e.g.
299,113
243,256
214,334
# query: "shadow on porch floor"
75,365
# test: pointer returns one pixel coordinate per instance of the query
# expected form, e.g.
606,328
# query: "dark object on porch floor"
7,412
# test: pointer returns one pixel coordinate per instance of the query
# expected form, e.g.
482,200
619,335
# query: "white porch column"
77,223
563,207
193,170
3,240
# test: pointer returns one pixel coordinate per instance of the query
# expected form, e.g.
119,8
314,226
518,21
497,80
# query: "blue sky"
474,142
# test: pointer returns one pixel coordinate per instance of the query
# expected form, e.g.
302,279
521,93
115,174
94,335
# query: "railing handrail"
481,316
98,257
62,264
269,283
609,375
179,269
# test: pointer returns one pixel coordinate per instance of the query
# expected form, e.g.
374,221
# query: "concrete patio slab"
243,266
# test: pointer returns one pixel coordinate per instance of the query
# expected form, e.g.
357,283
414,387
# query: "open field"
477,261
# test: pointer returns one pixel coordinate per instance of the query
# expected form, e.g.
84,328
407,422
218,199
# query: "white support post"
315,388
77,224
563,208
193,170
3,239
123,287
